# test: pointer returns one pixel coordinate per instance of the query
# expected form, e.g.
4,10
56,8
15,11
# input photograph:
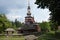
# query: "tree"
17,23
4,23
54,7
45,26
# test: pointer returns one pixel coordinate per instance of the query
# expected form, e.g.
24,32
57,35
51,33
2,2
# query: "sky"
17,9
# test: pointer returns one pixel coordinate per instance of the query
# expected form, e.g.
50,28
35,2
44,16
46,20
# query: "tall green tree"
17,23
4,23
54,7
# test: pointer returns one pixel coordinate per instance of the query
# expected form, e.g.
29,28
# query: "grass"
48,36
12,38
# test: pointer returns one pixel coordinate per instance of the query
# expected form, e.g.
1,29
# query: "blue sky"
17,9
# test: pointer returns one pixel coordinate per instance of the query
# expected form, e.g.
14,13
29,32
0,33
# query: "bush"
57,34
47,36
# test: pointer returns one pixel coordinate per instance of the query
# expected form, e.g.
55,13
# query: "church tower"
29,19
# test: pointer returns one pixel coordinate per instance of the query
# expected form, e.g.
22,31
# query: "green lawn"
12,38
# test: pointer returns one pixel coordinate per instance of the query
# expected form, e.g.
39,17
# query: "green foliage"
57,34
54,26
54,7
4,23
48,36
45,26
17,23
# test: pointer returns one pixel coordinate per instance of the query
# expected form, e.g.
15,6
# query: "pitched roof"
9,29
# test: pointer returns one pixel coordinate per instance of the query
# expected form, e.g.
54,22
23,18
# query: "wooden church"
30,26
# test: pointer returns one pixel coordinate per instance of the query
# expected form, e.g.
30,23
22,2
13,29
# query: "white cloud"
17,9
15,14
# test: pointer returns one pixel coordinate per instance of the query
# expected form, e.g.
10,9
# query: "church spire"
28,9
28,4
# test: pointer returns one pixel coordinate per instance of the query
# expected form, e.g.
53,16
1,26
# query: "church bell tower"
29,19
